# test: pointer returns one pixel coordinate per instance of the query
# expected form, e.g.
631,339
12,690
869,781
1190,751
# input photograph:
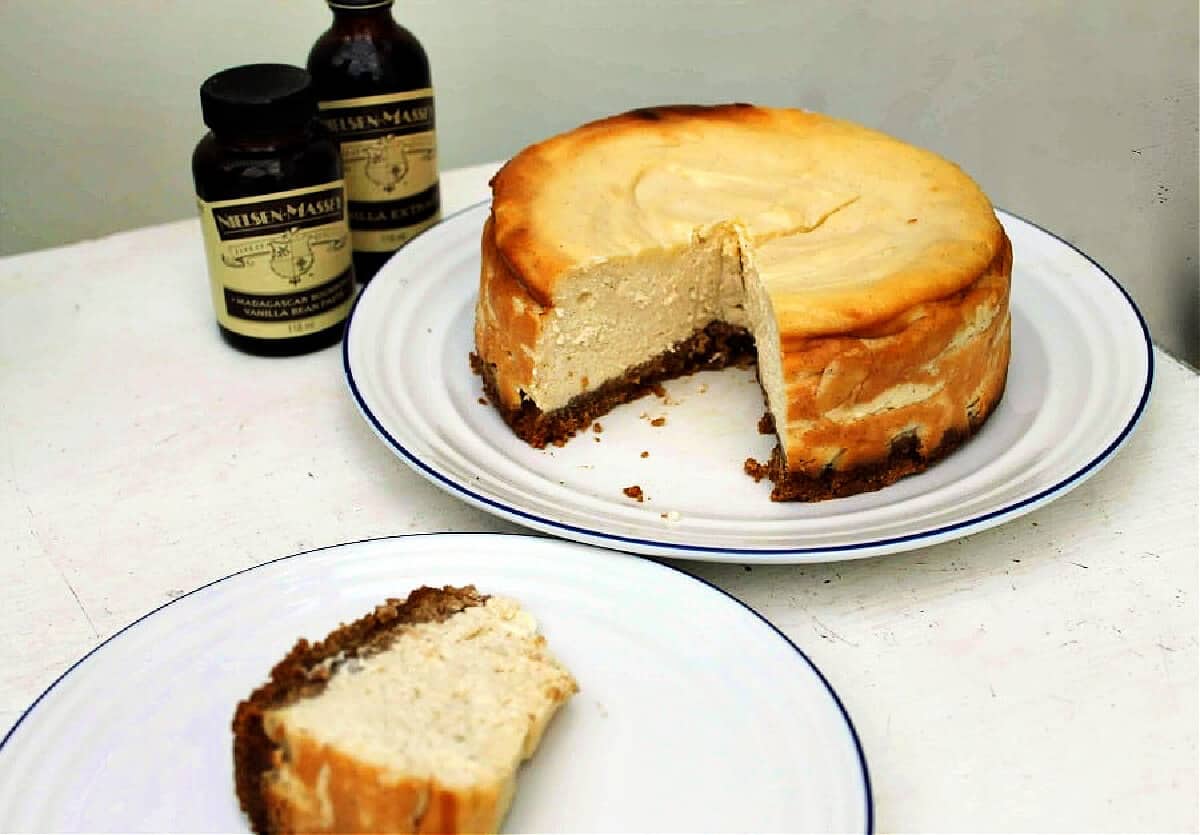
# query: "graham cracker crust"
720,345
305,671
906,458
717,345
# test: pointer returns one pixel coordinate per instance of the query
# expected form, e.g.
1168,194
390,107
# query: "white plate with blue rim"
694,713
1079,380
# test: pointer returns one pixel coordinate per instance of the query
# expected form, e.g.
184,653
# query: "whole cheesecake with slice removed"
869,278
413,718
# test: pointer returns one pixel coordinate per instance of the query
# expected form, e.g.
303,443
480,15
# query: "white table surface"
1038,676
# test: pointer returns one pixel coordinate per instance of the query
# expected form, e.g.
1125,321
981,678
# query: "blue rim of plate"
864,771
913,540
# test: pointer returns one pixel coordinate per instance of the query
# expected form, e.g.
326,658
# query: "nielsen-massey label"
389,160
280,264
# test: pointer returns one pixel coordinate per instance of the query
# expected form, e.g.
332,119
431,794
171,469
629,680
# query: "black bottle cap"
358,4
258,99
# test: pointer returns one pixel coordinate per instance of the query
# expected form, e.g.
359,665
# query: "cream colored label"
389,159
280,264
387,240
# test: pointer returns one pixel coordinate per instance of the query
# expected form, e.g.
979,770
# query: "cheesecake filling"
618,312
465,700
623,311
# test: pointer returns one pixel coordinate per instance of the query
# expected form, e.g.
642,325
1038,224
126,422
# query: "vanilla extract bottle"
372,79
273,212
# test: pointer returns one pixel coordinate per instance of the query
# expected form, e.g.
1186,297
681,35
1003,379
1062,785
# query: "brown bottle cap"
258,99
358,4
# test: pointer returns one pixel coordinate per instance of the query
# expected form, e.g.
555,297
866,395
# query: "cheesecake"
413,718
867,278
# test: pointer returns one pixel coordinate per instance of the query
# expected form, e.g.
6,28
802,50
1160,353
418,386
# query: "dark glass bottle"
376,96
273,211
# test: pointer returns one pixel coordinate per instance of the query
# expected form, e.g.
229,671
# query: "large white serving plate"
694,714
1079,380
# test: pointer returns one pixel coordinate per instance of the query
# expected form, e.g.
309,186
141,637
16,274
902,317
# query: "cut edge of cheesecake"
289,779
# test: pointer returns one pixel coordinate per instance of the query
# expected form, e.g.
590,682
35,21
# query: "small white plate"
694,713
1078,382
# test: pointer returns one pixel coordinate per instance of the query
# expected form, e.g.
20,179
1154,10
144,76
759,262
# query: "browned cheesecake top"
846,226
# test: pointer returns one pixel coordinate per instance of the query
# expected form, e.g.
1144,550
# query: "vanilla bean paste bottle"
372,78
273,212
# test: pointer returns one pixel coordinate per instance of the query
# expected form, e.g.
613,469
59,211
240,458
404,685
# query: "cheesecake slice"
868,278
414,718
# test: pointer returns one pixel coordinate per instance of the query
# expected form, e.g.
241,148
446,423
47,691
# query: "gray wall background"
1079,116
